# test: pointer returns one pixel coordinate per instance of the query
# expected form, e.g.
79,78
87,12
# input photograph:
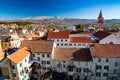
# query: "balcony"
31,62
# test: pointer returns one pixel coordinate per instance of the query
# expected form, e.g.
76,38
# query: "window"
115,71
78,70
5,44
86,70
33,55
105,74
106,67
48,62
98,67
38,58
61,40
65,44
58,44
25,60
61,44
83,44
43,62
43,55
70,44
99,60
48,55
116,64
98,74
58,40
107,60
13,67
111,43
74,44
14,75
65,40
20,64
70,69
79,44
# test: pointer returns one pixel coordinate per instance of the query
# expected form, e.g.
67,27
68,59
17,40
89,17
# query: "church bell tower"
100,20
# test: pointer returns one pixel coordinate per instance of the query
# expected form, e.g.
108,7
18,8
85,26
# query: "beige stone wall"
5,71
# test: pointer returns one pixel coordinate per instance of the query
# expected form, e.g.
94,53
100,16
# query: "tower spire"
100,14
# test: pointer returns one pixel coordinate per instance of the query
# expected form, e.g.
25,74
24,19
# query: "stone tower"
100,20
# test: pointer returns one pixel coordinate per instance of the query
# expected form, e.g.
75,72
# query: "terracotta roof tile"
81,40
38,46
72,54
58,35
101,34
39,38
106,50
30,35
19,55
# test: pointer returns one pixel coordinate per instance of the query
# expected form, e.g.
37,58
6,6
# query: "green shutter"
25,60
20,64
39,58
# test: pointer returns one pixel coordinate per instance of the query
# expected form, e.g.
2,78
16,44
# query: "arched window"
111,43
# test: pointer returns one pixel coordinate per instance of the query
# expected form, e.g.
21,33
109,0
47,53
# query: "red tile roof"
106,50
58,35
38,46
19,55
85,32
30,35
80,40
72,54
35,38
101,34
39,38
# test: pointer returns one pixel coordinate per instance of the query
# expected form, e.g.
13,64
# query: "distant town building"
72,28
12,41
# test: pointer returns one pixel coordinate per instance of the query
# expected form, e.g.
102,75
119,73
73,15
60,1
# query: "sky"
81,9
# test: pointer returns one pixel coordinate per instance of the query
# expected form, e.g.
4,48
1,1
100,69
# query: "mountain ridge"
59,20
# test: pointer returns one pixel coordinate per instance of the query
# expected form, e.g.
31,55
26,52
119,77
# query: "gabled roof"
58,35
19,55
101,34
72,54
81,40
106,51
38,46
